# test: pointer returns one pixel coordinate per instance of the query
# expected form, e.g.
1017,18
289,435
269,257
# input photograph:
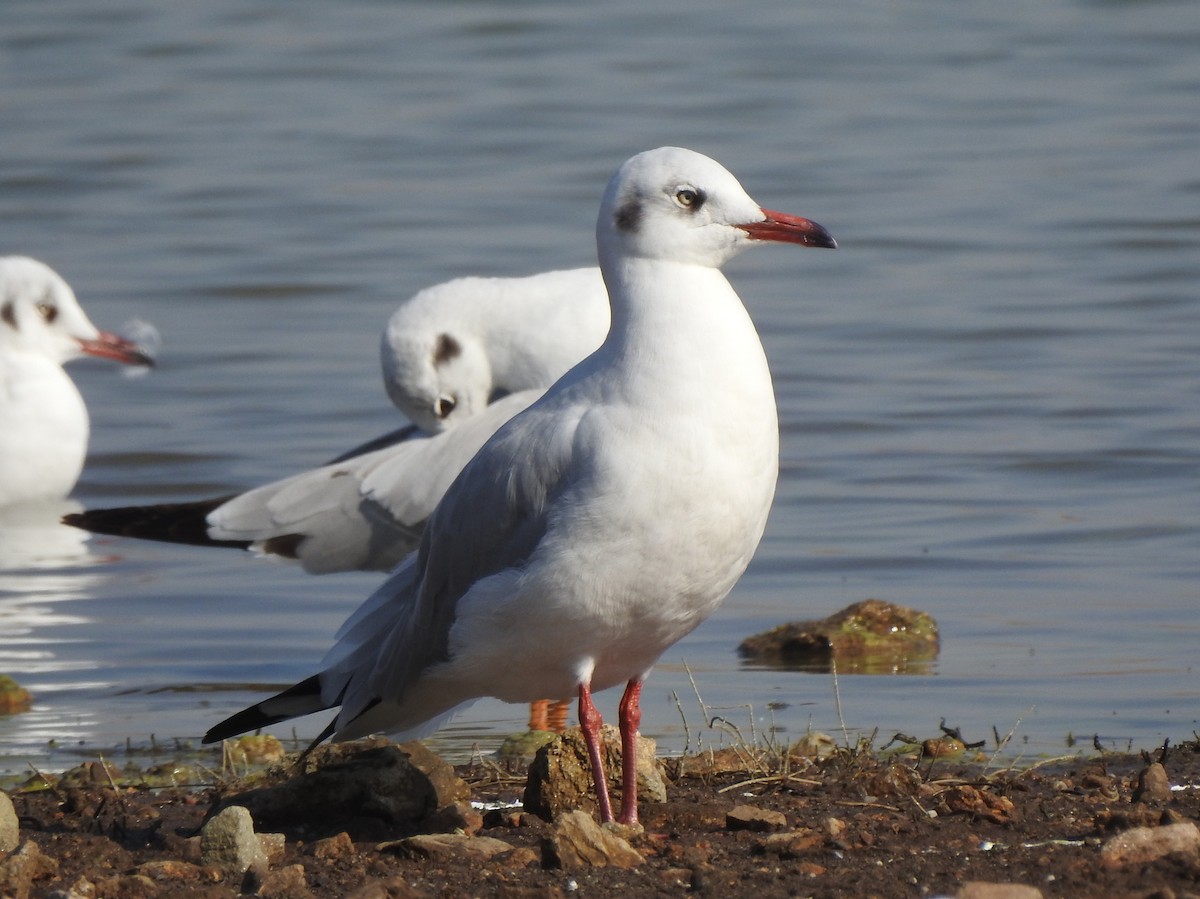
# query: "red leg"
589,723
630,719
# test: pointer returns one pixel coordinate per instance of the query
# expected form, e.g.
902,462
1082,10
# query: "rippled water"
990,395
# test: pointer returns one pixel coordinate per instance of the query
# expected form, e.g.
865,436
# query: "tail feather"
166,522
303,698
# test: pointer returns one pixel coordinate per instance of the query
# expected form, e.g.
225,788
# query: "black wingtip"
303,698
166,522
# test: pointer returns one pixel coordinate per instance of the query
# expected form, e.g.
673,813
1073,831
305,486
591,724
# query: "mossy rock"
869,637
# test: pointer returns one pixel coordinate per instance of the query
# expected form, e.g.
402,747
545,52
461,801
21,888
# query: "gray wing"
491,519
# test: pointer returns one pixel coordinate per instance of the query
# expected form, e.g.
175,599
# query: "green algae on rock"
868,637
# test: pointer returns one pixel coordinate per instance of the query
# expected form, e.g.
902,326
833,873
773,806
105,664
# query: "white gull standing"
459,359
608,519
43,420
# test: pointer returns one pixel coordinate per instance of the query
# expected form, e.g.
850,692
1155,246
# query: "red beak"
110,346
786,228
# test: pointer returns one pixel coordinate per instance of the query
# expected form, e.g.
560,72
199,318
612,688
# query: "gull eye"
689,197
444,406
48,311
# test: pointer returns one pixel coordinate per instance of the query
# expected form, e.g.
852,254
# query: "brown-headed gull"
605,521
459,359
43,420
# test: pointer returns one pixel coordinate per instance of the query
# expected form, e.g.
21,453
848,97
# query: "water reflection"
44,566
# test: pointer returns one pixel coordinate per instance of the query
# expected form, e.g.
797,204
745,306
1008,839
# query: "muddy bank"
741,822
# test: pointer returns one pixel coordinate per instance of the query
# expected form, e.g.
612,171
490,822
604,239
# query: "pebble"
560,778
1153,785
10,829
286,883
228,842
448,846
1142,845
978,889
577,842
751,817
19,871
339,846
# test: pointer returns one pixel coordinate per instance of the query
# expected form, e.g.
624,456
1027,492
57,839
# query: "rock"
170,870
129,886
941,748
1153,785
868,637
520,857
228,842
792,843
340,846
10,826
398,784
254,749
13,697
273,846
750,817
81,888
560,778
978,889
19,871
523,747
1142,845
577,842
447,847
286,883
458,816
392,888
966,799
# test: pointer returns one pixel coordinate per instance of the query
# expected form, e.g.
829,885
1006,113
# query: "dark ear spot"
445,349
629,216
8,316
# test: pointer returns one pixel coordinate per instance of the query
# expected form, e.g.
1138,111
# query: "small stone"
286,883
273,846
941,748
339,846
82,888
458,816
170,870
751,817
391,888
1153,785
1142,845
19,871
447,846
978,889
577,842
129,886
10,826
228,842
254,749
835,827
560,778
520,857
792,843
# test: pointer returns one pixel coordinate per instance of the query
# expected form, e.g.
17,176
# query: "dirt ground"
857,823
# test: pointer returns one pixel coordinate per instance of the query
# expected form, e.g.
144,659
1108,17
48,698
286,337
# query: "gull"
459,359
608,519
43,420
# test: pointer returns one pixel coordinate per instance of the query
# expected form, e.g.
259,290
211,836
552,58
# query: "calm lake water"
990,395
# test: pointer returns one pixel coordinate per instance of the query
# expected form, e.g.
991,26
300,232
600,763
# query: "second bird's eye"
48,312
444,406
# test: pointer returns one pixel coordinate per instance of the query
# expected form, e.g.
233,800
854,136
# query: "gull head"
39,315
437,378
677,205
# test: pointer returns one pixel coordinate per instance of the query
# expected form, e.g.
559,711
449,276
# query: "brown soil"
864,825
